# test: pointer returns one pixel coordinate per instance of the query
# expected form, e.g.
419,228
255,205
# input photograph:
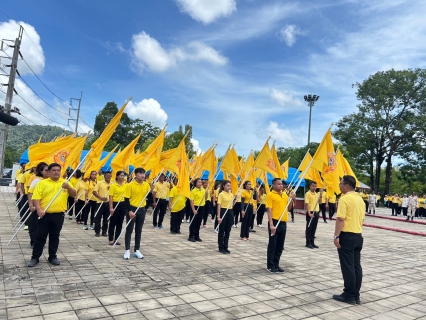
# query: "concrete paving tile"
92,313
55,307
204,306
122,308
113,299
69,315
147,304
219,315
161,313
24,311
182,310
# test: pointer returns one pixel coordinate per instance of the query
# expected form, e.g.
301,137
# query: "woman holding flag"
177,206
248,198
225,215
198,201
91,184
117,207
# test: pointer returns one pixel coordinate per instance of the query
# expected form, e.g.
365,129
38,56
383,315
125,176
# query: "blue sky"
236,70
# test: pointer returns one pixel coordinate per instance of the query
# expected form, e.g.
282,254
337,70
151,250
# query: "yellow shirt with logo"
311,198
117,191
225,200
178,202
352,209
136,192
46,190
198,196
102,189
277,203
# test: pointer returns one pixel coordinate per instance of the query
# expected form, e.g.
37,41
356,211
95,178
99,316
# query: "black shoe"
192,239
292,219
97,234
32,263
32,246
198,239
309,246
325,221
178,232
173,232
342,298
280,270
272,270
252,230
104,234
222,251
315,246
54,261
227,251
357,300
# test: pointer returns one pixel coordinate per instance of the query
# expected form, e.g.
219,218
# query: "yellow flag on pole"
284,168
248,165
153,152
126,156
344,168
280,173
99,164
265,161
183,182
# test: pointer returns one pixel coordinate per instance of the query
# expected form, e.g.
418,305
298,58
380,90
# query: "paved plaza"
185,280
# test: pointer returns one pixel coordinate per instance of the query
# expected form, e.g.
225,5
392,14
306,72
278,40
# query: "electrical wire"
28,119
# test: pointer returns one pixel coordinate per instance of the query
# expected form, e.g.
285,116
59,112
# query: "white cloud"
148,110
288,34
147,52
207,11
284,98
196,145
31,50
284,137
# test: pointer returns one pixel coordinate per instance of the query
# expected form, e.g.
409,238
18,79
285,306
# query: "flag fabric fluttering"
284,168
126,157
344,167
265,161
99,164
153,152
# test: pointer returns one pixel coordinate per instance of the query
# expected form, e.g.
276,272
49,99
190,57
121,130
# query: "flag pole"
20,209
17,201
299,166
70,209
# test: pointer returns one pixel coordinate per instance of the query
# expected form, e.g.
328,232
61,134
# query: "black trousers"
214,211
116,221
253,217
311,228
188,211
176,220
207,209
350,262
159,211
394,208
404,211
92,207
78,206
366,205
323,211
137,224
103,215
260,213
25,210
237,210
32,226
194,229
246,220
50,225
276,244
292,211
225,228
331,210
70,204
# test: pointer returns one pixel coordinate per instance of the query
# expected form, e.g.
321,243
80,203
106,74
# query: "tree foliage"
388,124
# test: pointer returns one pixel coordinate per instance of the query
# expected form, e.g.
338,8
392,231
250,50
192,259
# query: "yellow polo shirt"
73,181
102,188
311,198
136,192
198,196
225,200
117,192
46,190
248,197
238,196
331,199
395,199
23,179
34,184
161,190
324,196
90,186
81,188
178,201
352,209
262,198
277,203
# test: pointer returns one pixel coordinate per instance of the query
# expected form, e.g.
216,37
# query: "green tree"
388,123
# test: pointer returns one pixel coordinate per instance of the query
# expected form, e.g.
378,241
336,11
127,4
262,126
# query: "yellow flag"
265,180
228,164
280,173
265,161
74,149
100,143
324,153
344,167
125,157
99,164
183,182
209,162
153,152
284,168
248,165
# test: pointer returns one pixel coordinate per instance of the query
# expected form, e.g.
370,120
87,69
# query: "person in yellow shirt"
198,200
160,194
331,204
422,207
395,200
237,208
135,199
76,176
42,172
23,182
348,240
80,199
52,217
116,200
248,198
225,216
323,206
312,202
92,205
261,209
100,191
177,206
276,205
18,173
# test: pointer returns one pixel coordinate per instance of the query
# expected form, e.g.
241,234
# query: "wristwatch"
336,237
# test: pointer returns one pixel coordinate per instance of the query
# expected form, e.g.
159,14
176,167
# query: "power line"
28,119
39,111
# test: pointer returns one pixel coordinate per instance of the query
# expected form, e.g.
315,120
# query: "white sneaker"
217,231
187,220
234,225
138,254
126,255
261,226
183,220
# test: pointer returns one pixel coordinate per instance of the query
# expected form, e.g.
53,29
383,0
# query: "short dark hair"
78,173
245,183
118,173
275,180
52,165
312,182
350,181
139,170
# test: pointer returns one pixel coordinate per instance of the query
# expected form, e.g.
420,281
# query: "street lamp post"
311,99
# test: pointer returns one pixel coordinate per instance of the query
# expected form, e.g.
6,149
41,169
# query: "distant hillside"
22,136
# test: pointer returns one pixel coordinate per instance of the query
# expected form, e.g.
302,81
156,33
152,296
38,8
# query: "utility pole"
311,99
78,111
9,95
